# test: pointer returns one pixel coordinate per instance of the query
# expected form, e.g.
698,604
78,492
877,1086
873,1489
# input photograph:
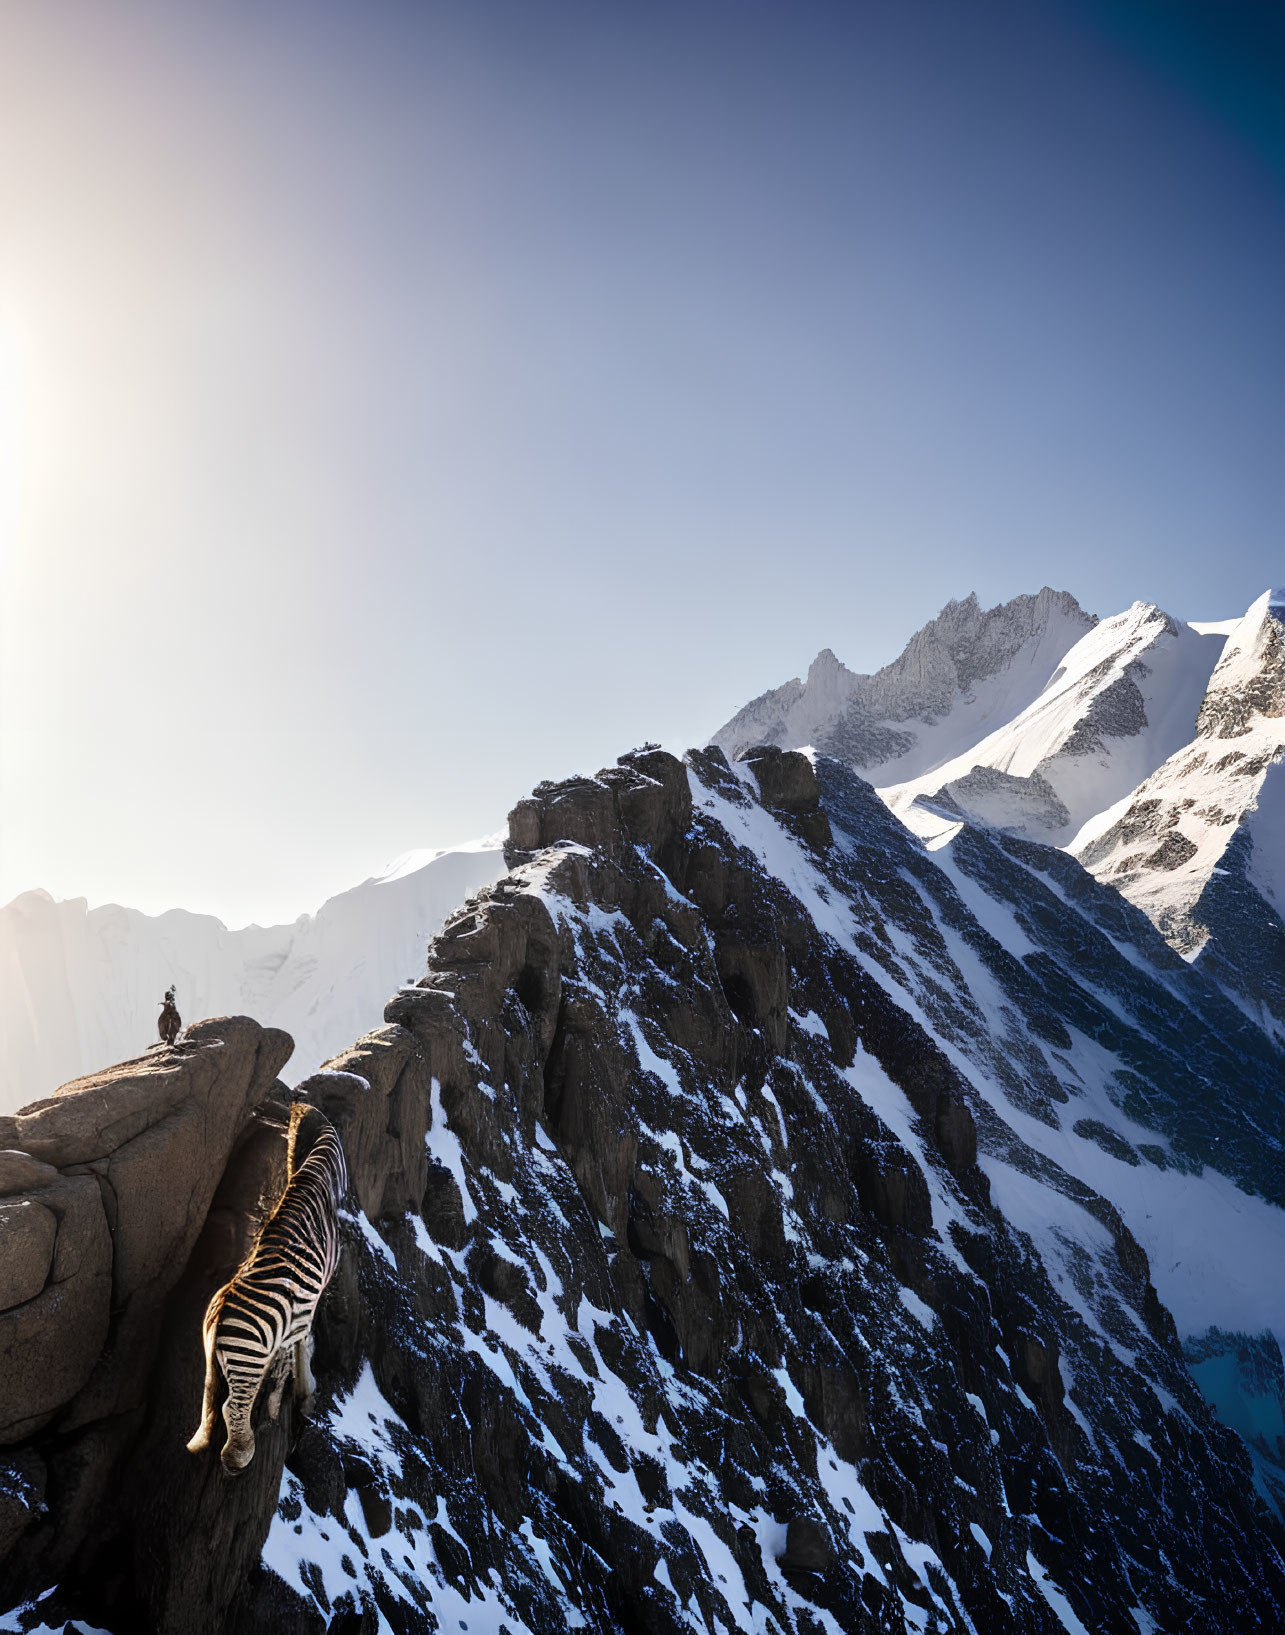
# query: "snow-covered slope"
1125,1090
1200,844
1148,748
965,673
1123,699
1116,1061
80,987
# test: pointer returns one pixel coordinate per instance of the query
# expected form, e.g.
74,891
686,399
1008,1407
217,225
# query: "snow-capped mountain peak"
963,672
1199,845
1249,680
1148,747
1122,700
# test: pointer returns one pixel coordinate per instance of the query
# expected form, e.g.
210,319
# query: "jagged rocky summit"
966,670
749,1230
1149,748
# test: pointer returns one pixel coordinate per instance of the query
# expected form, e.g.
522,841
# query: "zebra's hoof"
236,1458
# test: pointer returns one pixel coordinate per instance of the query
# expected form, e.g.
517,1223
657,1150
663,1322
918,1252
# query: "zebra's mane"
300,1141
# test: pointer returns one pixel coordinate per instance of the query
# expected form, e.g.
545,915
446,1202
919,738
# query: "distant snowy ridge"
966,672
80,987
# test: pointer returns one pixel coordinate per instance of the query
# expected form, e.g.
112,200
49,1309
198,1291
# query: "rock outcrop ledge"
105,1188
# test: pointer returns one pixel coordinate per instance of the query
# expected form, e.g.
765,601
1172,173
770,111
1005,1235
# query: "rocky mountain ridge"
1099,740
739,1239
967,668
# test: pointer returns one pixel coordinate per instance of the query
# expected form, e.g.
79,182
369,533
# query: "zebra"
268,1306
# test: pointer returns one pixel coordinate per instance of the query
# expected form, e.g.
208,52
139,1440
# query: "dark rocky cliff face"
704,1270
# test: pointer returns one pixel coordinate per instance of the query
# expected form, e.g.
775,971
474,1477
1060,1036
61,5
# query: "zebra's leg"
280,1373
201,1440
305,1387
238,1450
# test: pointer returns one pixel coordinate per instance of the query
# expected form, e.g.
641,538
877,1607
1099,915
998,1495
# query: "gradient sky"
401,403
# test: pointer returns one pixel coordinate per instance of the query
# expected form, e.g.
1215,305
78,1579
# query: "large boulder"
27,1233
105,1187
55,1309
20,1172
788,785
161,1179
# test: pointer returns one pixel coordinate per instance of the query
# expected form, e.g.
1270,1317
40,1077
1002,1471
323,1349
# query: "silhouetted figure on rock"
169,1021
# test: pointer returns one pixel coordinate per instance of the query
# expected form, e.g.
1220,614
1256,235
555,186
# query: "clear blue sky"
400,403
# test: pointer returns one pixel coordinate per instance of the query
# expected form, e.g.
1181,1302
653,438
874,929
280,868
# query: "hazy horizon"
400,405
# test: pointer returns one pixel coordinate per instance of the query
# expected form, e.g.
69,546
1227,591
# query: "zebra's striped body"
268,1307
